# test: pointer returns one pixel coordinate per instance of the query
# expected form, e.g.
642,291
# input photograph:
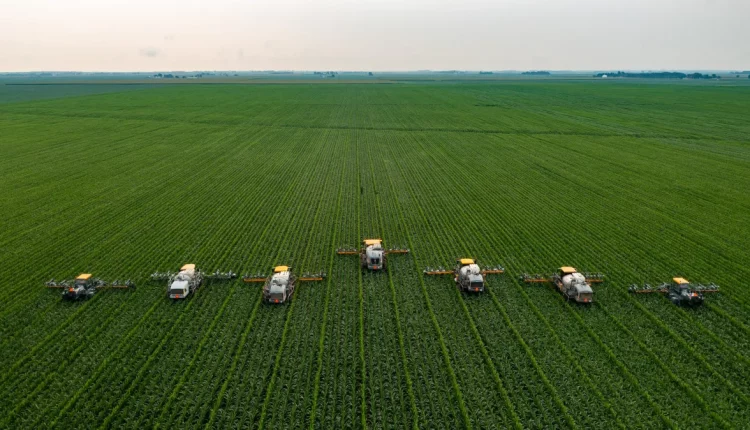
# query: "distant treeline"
175,76
702,76
658,75
326,74
537,73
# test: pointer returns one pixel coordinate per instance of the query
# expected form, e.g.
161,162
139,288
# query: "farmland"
639,181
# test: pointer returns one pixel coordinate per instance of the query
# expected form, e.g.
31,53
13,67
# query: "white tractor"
279,287
572,284
183,283
468,275
372,256
187,280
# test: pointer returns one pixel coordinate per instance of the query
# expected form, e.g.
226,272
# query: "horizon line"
727,70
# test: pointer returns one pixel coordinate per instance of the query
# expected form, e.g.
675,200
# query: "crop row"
245,184
436,204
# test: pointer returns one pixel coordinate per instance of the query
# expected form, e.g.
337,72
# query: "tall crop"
642,182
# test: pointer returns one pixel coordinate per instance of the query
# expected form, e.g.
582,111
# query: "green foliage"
641,181
14,92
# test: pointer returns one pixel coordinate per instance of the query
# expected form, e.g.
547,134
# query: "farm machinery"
680,291
572,284
181,284
279,286
372,254
467,274
84,286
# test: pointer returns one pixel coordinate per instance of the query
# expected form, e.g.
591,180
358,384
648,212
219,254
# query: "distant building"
604,76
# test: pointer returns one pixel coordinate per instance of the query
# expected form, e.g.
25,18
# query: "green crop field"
638,180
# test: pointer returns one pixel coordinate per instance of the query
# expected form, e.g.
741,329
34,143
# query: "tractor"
467,274
372,255
84,286
279,287
572,284
182,284
187,280
680,291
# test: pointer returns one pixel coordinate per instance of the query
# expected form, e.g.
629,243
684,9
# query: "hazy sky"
146,35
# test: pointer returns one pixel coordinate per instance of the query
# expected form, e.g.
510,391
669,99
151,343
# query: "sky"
373,35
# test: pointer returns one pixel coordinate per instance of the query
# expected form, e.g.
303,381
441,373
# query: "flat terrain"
641,181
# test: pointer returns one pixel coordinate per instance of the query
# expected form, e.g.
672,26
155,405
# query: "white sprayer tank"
577,282
279,281
470,269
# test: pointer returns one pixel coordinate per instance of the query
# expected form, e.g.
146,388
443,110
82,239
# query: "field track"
640,181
